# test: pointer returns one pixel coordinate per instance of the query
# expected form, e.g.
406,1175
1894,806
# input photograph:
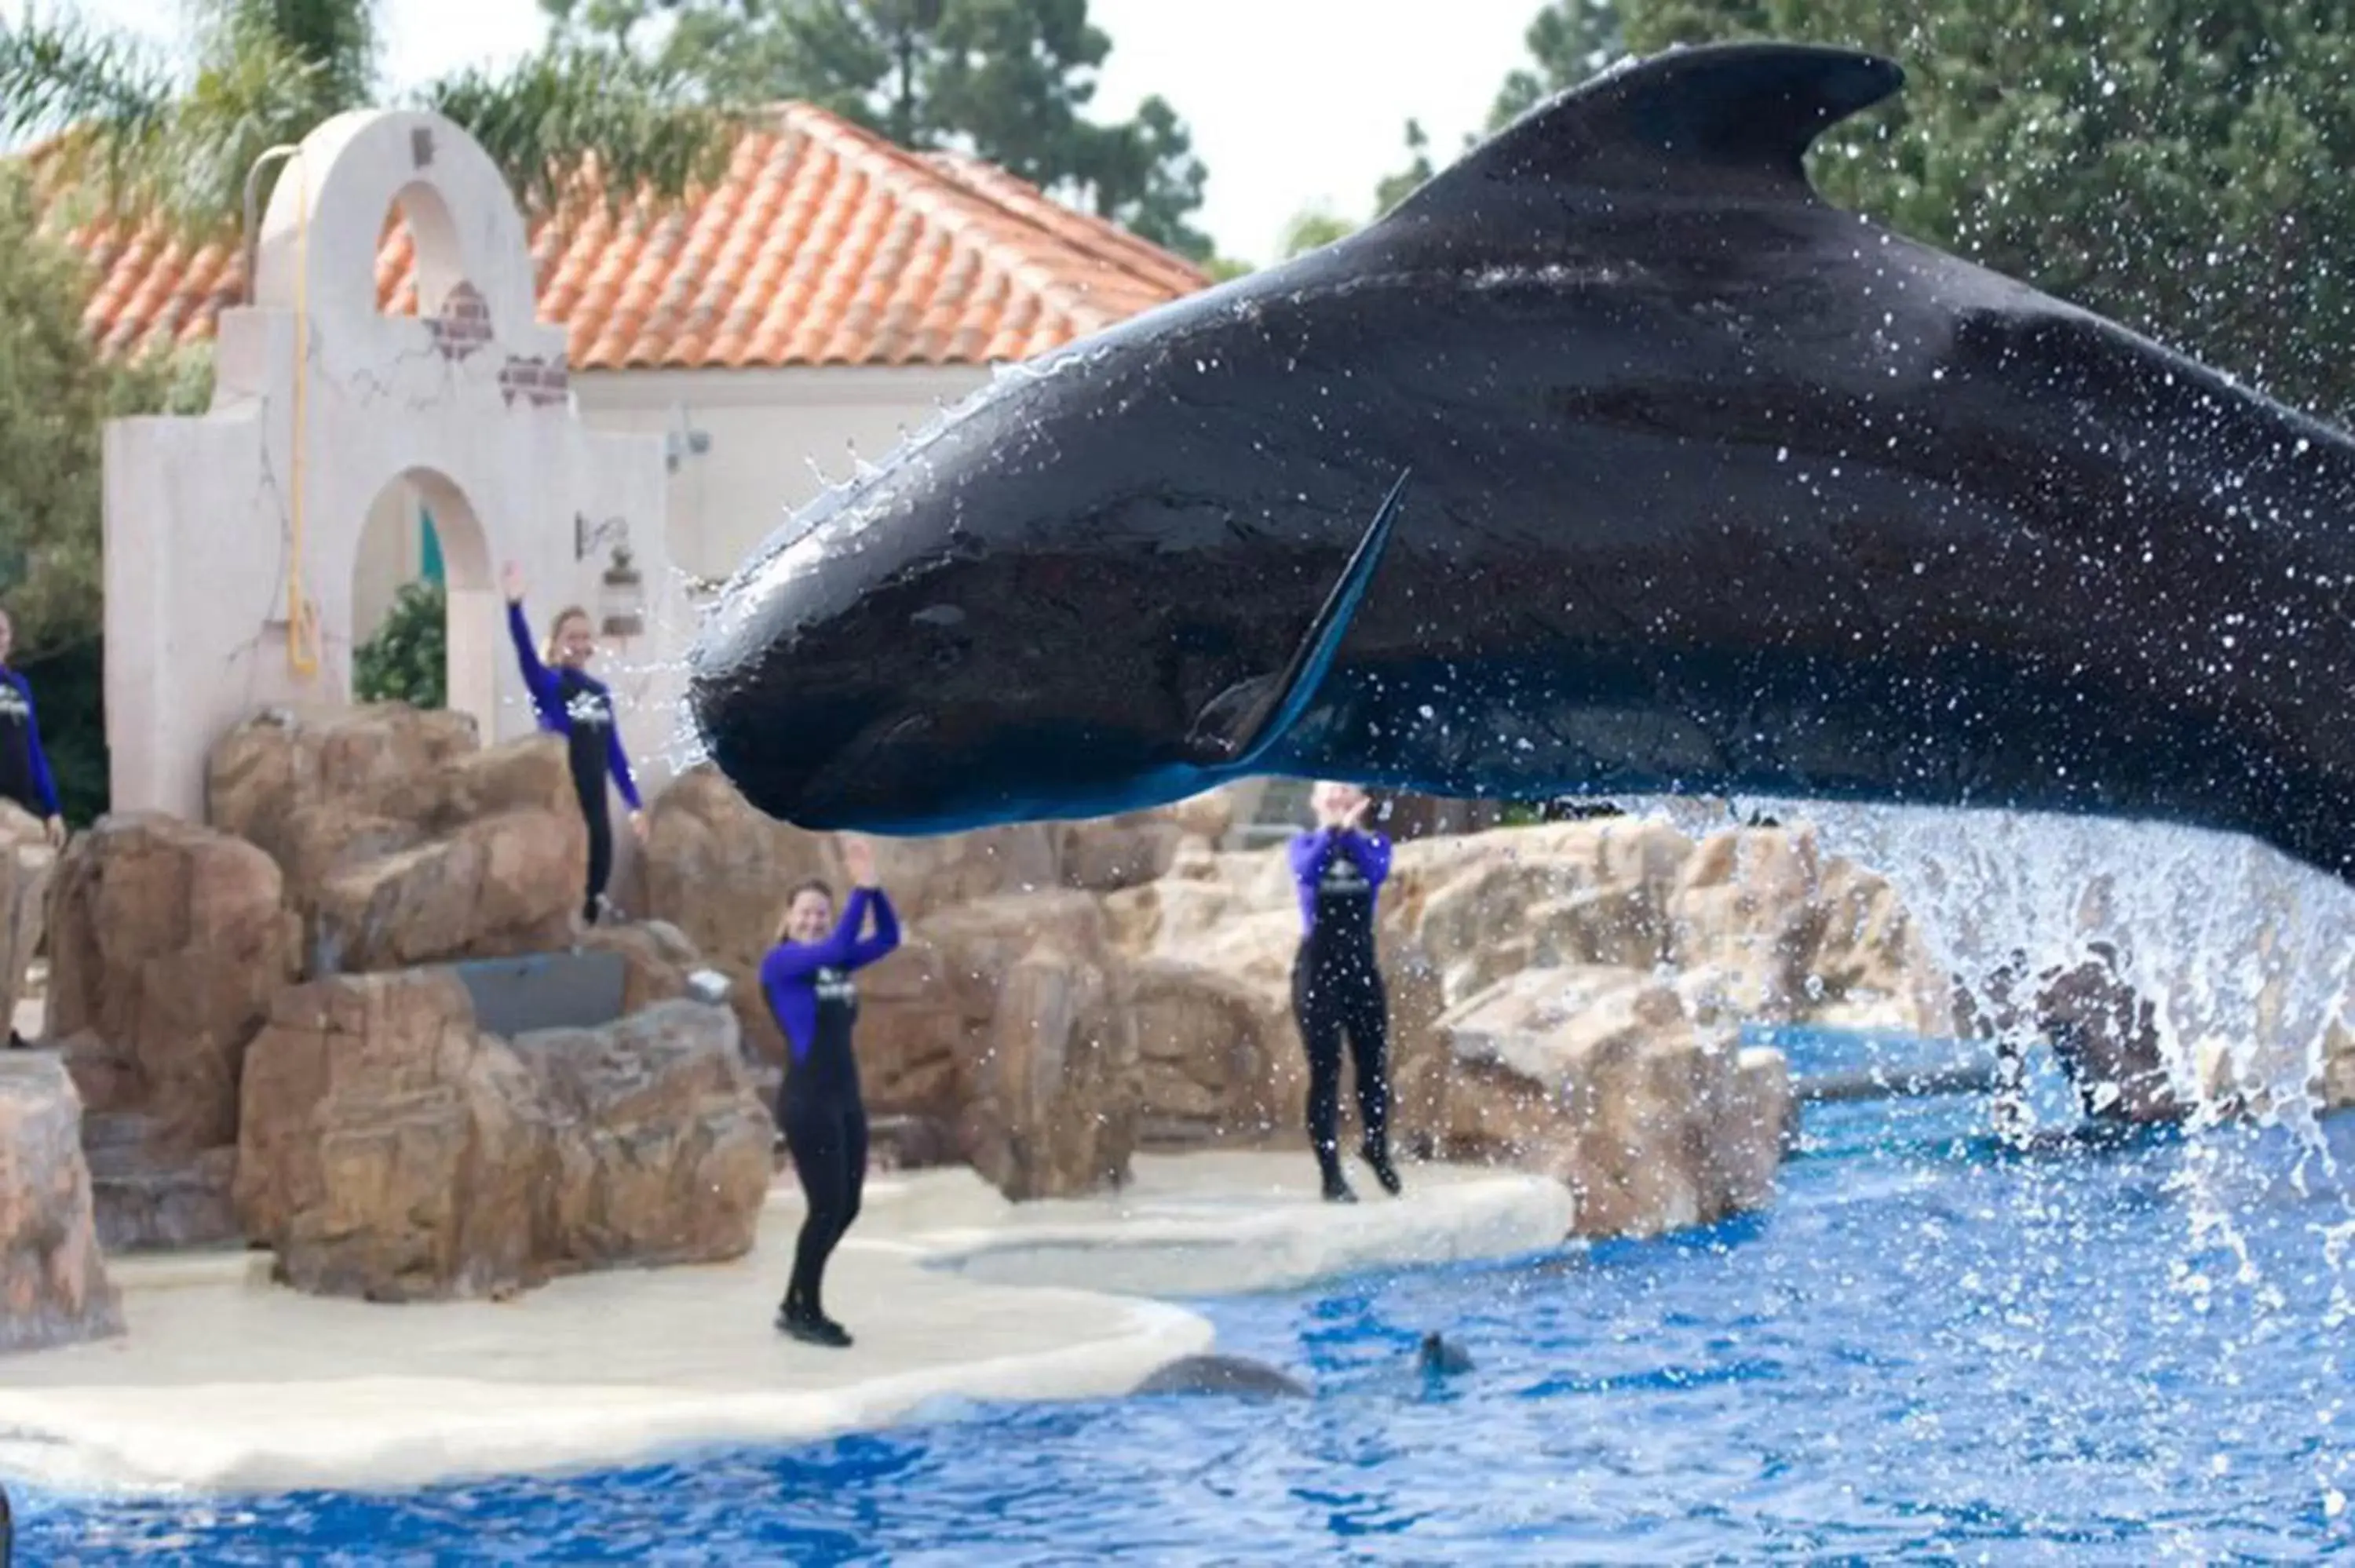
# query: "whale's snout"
775,741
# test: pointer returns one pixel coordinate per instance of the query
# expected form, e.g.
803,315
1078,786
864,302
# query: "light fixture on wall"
622,597
681,444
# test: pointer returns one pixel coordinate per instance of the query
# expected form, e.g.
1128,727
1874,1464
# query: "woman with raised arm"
806,978
1337,983
577,706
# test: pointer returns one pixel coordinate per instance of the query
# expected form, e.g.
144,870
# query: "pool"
1933,1348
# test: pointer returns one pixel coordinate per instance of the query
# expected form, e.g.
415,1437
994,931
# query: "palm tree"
133,134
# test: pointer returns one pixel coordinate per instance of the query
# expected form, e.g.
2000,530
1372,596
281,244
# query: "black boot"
1378,1158
823,1332
1336,1188
811,1327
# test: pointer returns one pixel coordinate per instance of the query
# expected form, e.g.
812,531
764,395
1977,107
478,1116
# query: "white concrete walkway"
226,1382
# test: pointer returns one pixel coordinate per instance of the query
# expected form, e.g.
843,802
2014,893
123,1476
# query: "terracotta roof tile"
823,244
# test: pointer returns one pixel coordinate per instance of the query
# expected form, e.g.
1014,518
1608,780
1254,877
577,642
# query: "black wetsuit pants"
594,811
827,1132
1330,997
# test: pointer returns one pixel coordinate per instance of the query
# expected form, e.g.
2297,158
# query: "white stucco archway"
389,551
231,537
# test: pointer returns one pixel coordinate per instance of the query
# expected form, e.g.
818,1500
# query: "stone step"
111,1130
145,1204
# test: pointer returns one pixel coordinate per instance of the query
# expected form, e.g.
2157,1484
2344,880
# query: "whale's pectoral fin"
1243,721
1730,116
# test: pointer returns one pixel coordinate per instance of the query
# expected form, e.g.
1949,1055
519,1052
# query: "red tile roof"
823,244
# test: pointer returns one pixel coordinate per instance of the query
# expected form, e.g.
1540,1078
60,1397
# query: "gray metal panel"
545,990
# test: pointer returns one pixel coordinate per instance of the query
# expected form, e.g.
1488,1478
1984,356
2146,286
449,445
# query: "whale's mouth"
936,772
892,762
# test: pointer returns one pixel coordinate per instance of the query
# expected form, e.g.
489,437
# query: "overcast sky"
1308,112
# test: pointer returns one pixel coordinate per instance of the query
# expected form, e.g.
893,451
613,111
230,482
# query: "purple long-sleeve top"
789,972
1311,852
26,773
549,701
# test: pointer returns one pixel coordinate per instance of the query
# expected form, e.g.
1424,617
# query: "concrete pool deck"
226,1382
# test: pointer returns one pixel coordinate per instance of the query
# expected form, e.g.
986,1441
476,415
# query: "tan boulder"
1209,816
2334,1084
662,1149
912,1025
150,1195
388,1149
2106,1034
1103,853
928,874
54,1288
1046,1076
392,1151
1218,1058
262,772
1754,923
720,870
659,957
402,841
1872,964
2103,1034
1600,1080
1747,903
500,885
1053,1108
167,942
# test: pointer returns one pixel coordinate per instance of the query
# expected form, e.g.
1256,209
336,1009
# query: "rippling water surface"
1932,1349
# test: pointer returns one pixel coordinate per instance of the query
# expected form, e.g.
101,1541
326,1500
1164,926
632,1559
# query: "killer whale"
1614,460
1222,1374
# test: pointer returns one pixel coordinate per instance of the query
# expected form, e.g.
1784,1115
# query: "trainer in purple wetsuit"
806,978
23,766
577,706
1337,983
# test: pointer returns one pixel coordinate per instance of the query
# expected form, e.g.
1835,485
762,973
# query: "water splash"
2245,955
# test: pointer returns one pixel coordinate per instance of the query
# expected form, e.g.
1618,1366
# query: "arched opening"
421,271
425,608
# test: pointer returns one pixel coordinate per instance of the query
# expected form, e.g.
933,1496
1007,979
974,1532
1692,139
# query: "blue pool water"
1932,1349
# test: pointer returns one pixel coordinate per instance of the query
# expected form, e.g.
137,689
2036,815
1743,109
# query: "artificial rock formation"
167,941
659,1151
1563,998
401,839
53,1285
1046,1063
1005,1031
391,1150
1599,1079
940,1047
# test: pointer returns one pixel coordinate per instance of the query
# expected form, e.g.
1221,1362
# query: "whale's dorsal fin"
1732,118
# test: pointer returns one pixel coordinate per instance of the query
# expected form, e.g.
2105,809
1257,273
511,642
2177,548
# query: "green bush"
407,659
